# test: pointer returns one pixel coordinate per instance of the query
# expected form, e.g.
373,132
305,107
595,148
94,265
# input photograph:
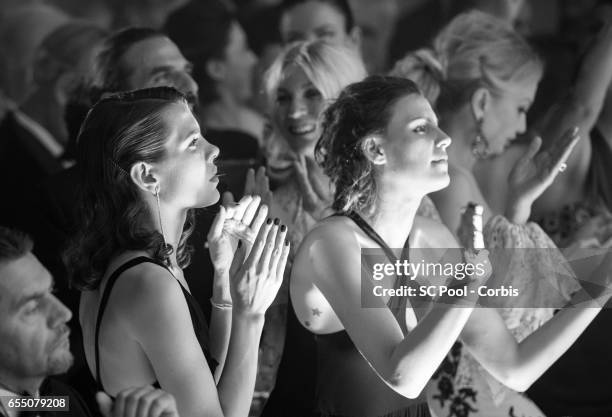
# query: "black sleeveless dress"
197,317
347,386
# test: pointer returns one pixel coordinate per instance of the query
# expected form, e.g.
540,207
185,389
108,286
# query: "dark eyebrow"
325,26
160,70
293,35
26,299
191,133
37,295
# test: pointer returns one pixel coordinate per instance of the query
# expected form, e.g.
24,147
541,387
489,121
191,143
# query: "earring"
161,225
480,144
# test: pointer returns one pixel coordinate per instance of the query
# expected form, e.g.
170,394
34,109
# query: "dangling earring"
480,144
161,225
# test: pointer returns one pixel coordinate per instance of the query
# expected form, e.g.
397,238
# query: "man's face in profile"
33,321
157,62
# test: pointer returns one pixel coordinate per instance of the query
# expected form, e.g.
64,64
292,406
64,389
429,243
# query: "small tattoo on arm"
316,312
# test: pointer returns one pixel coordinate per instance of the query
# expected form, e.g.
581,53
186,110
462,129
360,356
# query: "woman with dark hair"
383,150
211,37
144,166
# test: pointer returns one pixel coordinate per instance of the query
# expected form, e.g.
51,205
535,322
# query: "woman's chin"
440,183
209,200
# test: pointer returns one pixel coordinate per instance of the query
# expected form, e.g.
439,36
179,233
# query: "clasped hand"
251,251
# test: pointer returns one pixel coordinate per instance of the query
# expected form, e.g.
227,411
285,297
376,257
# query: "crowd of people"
196,193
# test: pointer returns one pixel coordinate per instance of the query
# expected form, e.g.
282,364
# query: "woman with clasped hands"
145,166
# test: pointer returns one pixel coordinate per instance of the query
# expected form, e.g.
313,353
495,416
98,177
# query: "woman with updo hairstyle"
383,151
144,166
482,77
368,363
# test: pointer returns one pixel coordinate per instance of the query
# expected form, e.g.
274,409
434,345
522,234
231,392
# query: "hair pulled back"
120,130
362,109
474,50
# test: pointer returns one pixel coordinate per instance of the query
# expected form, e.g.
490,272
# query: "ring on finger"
562,167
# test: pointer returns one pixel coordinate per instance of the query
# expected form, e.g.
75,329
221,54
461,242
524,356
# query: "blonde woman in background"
482,77
299,85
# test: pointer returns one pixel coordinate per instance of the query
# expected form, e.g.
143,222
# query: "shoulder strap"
397,305
373,234
104,301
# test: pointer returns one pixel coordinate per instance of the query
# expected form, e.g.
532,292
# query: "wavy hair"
120,130
474,50
330,68
362,109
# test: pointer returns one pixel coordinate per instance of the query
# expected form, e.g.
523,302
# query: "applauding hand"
312,183
255,281
258,184
235,222
532,173
138,402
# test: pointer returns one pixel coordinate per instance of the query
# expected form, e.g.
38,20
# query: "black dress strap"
397,305
373,234
104,301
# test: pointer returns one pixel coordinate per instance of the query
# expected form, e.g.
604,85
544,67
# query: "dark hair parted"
110,75
119,131
342,6
13,244
362,109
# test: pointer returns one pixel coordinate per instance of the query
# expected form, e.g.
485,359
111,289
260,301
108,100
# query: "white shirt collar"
4,408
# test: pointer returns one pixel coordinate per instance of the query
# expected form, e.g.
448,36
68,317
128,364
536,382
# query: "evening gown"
347,385
200,327
296,357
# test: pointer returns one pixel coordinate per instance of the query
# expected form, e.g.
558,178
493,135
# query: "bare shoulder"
145,292
335,232
331,241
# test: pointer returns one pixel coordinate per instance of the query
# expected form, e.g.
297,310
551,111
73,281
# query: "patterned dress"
462,387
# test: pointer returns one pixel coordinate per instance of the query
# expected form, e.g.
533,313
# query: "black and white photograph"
305,208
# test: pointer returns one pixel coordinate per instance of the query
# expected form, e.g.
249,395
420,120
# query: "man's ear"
355,37
63,86
373,150
480,102
216,69
143,176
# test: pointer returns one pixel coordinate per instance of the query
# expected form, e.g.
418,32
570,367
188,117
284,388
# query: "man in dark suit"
34,343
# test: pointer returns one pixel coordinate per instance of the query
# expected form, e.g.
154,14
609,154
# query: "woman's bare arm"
518,365
583,106
331,260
